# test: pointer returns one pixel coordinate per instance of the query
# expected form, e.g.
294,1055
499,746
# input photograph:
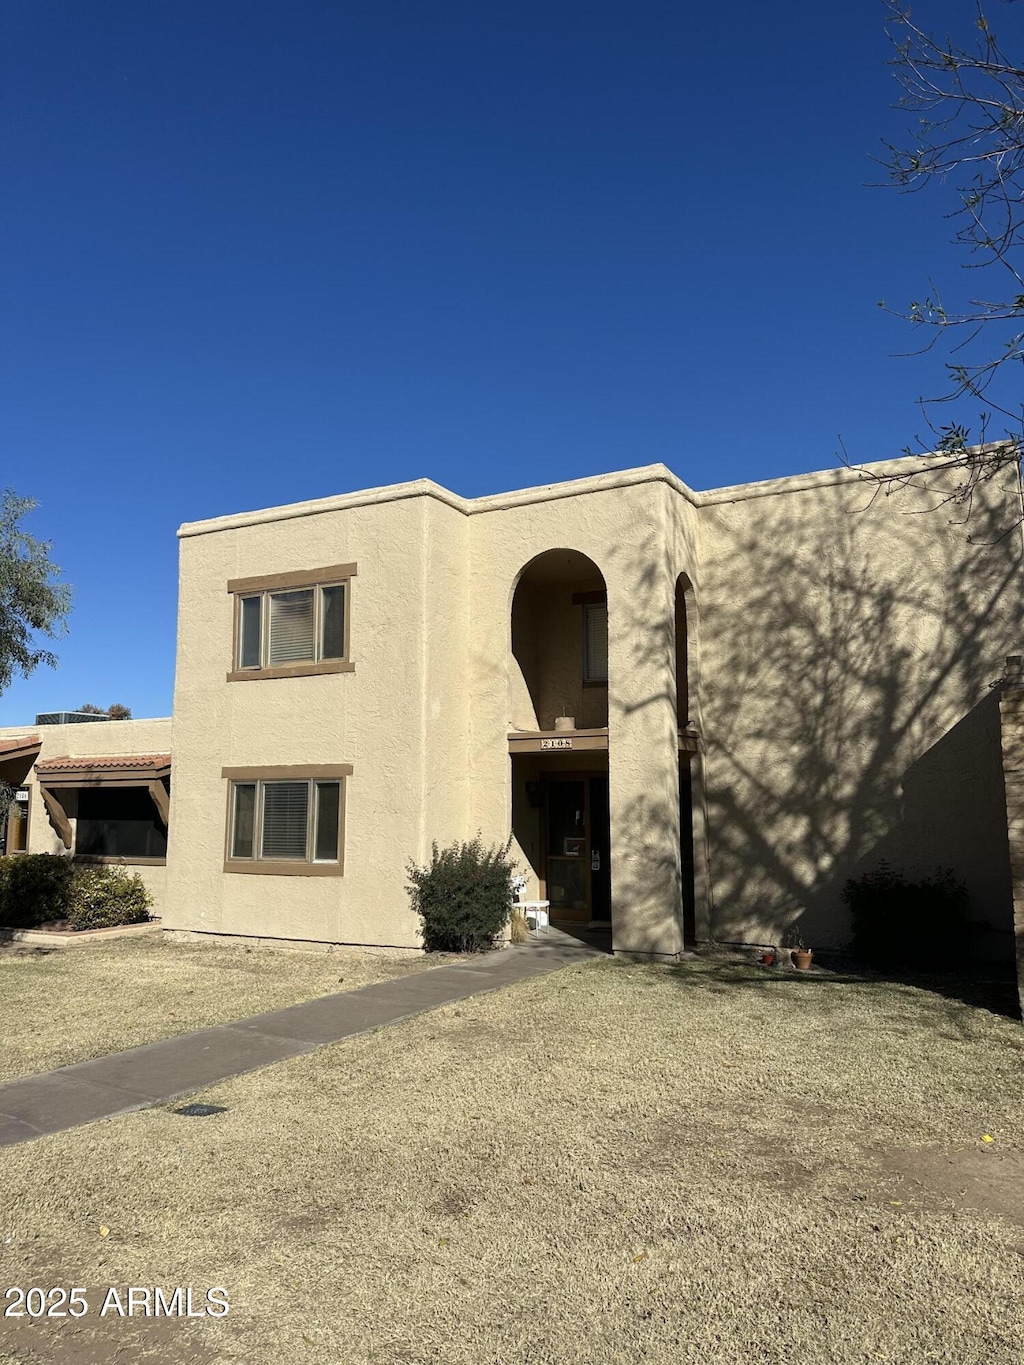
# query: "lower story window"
286,823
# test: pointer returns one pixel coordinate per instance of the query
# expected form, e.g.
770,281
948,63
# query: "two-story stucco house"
696,714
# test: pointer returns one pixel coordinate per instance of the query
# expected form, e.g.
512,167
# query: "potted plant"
769,957
800,955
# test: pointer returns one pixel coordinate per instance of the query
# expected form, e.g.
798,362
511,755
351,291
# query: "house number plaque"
556,744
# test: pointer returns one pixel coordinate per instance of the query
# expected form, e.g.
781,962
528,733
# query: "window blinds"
285,816
291,627
596,643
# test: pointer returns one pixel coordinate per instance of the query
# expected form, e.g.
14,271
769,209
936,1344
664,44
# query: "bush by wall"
36,888
102,897
463,896
907,924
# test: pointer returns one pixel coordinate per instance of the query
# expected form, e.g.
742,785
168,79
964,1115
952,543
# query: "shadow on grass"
948,1001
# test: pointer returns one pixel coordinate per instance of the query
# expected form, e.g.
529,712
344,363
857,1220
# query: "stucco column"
1011,716
643,767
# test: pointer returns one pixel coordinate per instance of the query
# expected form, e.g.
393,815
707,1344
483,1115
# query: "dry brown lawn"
613,1163
69,1005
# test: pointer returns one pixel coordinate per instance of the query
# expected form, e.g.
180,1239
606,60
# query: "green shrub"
463,897
907,924
34,888
102,897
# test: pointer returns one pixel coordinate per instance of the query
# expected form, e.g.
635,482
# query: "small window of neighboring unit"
286,820
285,627
595,642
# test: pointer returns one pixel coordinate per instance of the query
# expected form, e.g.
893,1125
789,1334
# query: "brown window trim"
599,597
292,670
118,859
595,682
298,578
289,772
285,868
297,772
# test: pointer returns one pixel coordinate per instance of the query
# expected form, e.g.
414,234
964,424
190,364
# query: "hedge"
907,924
36,888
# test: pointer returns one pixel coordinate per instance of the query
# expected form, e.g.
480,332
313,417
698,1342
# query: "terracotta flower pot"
801,958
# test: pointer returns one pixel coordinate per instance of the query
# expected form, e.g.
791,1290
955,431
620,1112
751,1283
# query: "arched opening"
558,737
688,776
560,643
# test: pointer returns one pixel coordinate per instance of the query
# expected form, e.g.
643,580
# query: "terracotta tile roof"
20,744
103,761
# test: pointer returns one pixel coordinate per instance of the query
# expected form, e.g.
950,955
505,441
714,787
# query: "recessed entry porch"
558,741
560,822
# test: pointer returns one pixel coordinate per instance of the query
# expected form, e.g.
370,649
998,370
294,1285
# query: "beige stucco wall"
87,741
424,718
844,692
623,529
400,719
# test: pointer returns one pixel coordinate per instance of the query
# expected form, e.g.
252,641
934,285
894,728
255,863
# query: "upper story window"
288,625
595,642
306,625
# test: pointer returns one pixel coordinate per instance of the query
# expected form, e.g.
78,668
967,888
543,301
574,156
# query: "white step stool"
536,913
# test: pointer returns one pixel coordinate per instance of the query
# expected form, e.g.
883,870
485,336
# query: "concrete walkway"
158,1072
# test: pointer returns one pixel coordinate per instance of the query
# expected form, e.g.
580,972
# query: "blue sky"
255,253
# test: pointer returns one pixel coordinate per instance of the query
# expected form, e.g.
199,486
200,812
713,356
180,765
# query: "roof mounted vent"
67,717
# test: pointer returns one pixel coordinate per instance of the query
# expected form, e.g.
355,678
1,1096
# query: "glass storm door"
568,850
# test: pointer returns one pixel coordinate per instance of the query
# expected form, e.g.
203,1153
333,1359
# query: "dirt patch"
453,1202
92,1340
985,1179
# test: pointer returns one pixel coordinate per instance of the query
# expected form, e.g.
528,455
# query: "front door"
576,864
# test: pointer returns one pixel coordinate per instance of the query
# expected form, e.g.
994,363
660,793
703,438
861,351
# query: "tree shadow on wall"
651,848
846,675
851,717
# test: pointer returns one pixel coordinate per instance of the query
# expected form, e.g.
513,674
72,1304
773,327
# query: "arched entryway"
558,737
